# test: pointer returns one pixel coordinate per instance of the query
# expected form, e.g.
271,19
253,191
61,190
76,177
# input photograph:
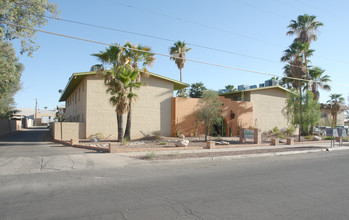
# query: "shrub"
163,143
124,142
290,130
100,136
282,136
156,135
275,131
149,155
309,137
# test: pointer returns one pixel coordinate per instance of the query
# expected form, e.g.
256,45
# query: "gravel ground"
152,156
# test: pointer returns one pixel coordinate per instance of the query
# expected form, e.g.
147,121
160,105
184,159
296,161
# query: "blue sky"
254,28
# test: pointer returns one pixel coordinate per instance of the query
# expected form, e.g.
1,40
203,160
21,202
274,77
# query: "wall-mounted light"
232,114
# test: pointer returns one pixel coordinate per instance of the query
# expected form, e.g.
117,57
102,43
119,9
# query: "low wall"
9,126
68,130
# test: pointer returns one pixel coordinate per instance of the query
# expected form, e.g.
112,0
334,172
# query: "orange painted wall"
184,116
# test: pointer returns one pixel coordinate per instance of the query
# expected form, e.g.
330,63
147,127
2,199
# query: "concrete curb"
248,155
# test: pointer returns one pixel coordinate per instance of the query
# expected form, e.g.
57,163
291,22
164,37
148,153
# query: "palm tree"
230,87
296,69
335,101
318,81
113,56
305,28
136,54
178,52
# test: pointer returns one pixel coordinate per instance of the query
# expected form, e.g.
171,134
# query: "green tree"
196,90
230,87
137,55
209,109
335,101
26,13
10,75
310,108
318,81
178,51
182,93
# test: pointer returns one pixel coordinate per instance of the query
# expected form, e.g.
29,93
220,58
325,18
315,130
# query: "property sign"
248,133
332,132
342,132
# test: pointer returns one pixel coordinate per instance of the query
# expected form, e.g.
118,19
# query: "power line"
219,29
261,9
161,54
161,38
166,39
193,22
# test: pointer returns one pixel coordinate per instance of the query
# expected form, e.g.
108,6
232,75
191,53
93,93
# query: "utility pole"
36,111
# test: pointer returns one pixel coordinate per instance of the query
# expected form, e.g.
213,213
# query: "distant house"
268,103
88,109
29,119
326,116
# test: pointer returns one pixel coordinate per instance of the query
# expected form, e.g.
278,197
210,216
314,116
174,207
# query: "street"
303,186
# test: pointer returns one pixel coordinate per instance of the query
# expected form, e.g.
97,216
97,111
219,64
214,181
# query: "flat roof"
256,89
76,79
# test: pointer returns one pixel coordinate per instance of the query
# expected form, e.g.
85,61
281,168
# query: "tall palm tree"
137,55
305,28
318,81
335,101
178,51
296,69
113,56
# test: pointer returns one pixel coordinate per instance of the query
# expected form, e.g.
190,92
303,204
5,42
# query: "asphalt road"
303,186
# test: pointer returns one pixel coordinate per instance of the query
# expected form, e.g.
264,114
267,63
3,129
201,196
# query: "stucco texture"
151,111
184,120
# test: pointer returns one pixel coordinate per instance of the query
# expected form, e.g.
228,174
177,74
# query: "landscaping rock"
317,138
222,143
95,139
182,143
282,141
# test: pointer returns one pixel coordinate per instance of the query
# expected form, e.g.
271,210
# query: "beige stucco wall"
9,126
76,104
267,108
326,117
151,111
70,130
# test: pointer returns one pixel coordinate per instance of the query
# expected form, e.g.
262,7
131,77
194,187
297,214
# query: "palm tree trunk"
128,124
300,113
206,130
180,72
120,127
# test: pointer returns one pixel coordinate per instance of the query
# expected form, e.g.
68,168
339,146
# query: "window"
79,94
323,115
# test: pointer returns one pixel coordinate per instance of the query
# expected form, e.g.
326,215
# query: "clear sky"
253,28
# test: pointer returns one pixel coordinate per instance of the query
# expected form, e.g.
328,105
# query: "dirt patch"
172,156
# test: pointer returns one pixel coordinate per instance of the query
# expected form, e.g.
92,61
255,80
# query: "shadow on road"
36,134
